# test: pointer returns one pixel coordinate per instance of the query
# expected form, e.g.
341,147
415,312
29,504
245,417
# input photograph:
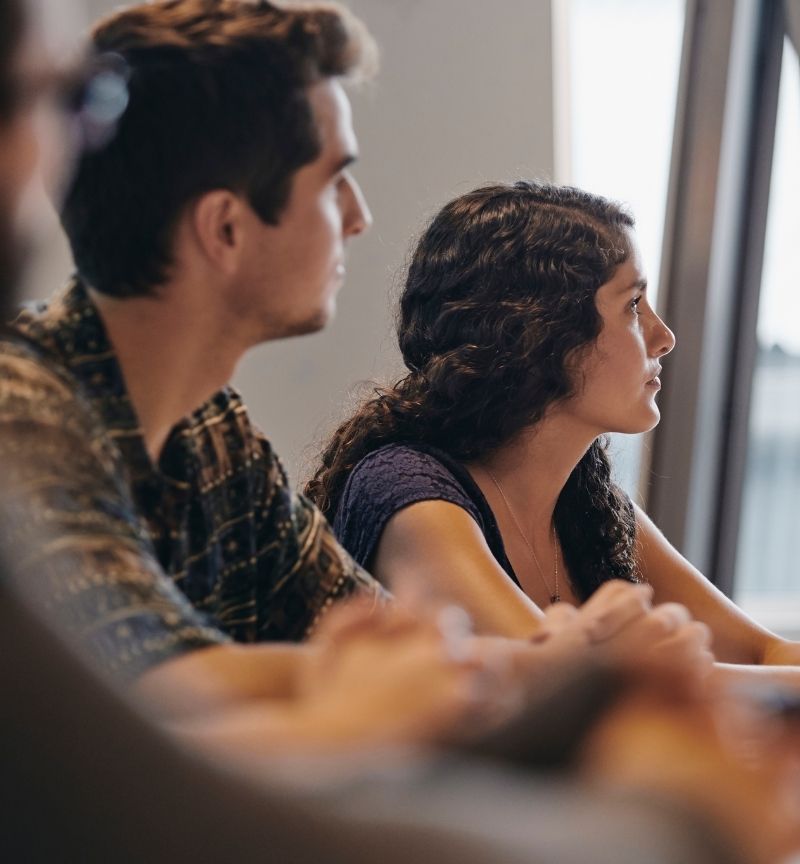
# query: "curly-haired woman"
527,332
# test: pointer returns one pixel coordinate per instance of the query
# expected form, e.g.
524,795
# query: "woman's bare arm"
737,638
436,548
441,545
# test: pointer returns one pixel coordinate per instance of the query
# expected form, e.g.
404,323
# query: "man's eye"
337,183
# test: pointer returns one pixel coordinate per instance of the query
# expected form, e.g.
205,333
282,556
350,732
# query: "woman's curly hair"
498,301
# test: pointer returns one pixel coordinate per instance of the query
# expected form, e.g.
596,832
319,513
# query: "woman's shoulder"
409,465
390,479
397,475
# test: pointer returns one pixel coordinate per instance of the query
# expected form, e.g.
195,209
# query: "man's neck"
173,354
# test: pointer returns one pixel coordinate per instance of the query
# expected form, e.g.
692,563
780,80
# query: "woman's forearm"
742,675
782,652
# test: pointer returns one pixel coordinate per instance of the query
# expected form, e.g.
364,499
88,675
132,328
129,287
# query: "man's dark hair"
11,27
218,100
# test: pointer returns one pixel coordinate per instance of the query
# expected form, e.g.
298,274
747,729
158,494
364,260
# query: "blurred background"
689,112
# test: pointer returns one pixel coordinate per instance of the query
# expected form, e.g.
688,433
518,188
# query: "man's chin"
304,327
312,325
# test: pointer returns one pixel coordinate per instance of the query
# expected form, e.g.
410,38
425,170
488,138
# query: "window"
617,66
726,457
767,570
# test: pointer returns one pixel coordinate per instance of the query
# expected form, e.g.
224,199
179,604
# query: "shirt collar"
70,327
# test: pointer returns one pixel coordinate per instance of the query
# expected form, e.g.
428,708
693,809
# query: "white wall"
464,96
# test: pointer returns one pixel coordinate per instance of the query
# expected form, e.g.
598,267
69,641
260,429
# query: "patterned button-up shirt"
144,561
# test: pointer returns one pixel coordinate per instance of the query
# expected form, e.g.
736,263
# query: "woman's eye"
634,305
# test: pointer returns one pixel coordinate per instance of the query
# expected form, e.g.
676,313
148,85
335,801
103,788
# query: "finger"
701,634
558,614
693,635
670,616
615,611
615,588
684,657
657,625
558,617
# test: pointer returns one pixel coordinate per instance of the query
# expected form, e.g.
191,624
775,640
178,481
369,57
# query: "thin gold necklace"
555,596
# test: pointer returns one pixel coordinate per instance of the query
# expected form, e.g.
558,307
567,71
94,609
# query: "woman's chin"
644,423
653,419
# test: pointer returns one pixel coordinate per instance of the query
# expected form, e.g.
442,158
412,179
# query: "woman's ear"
217,227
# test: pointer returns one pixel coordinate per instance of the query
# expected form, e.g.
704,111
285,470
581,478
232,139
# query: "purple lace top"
396,476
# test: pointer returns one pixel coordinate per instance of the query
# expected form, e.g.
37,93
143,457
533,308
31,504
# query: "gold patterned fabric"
145,562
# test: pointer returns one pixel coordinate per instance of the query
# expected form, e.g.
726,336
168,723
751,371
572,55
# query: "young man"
193,241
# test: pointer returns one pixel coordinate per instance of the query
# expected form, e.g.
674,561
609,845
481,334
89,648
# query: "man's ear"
217,224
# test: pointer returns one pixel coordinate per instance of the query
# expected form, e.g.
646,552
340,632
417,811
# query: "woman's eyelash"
634,304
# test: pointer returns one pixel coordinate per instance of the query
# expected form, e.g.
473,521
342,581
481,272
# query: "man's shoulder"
31,350
30,374
44,411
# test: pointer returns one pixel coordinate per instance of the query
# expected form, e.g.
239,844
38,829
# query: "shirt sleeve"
306,570
383,483
81,553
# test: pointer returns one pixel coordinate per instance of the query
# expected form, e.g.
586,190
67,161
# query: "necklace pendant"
555,598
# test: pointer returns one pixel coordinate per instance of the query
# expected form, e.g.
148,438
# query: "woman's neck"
532,470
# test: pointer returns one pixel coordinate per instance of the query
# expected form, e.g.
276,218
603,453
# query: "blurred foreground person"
80,765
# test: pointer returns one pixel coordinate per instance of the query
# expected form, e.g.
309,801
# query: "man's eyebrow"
344,162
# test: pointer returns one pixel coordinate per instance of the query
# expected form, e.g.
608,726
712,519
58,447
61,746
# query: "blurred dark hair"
12,26
12,22
499,298
217,100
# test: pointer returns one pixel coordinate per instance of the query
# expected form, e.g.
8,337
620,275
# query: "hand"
665,639
611,608
619,625
570,636
384,675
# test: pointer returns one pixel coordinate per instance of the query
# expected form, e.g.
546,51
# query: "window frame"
712,264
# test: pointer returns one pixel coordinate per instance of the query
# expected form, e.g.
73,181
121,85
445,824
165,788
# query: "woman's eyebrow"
638,285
